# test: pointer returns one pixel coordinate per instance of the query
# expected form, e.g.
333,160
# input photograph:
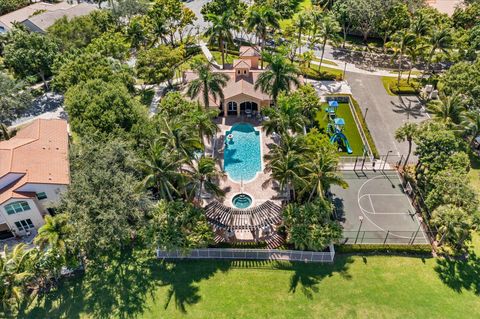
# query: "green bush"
384,249
394,88
241,245
319,75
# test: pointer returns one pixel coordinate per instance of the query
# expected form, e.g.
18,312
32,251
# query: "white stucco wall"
33,214
53,192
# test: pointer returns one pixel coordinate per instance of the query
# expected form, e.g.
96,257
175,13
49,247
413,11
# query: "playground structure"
335,127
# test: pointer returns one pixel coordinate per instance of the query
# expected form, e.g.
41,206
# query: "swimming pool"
242,156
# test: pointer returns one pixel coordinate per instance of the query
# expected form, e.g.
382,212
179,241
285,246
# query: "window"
244,71
24,225
17,207
238,71
41,195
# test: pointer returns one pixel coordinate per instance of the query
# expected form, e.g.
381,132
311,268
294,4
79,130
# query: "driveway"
385,113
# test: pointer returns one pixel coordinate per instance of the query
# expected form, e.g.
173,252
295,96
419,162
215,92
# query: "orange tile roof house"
34,170
240,95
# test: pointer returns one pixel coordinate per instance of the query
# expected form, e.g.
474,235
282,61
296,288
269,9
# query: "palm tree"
328,30
279,76
202,120
306,58
321,172
13,275
259,20
301,23
220,30
286,117
414,51
440,39
208,83
176,137
204,177
406,132
401,41
161,170
471,125
55,233
447,110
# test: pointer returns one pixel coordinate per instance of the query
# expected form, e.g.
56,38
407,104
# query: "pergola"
254,219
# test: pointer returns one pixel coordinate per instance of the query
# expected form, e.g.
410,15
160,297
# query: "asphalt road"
385,113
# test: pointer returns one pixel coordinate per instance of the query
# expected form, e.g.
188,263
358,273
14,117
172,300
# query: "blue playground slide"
340,136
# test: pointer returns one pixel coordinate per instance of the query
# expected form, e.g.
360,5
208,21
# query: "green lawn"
217,55
390,83
353,287
350,130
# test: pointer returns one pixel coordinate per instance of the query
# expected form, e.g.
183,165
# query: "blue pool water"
242,156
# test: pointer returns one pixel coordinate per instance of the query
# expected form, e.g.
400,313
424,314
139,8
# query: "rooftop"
39,153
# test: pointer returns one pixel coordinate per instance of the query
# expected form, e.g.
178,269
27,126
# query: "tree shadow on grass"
121,289
460,274
307,276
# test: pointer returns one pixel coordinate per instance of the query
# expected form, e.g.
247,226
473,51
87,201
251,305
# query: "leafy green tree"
30,54
327,31
208,84
259,20
421,23
78,32
74,69
406,132
14,100
447,110
138,31
342,9
104,204
177,137
103,107
178,225
237,8
110,44
310,226
466,17
396,18
202,121
158,64
220,31
12,5
366,14
280,76
129,8
463,78
454,225
414,52
449,188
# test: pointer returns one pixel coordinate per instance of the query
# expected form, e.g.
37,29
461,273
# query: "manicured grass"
350,130
228,57
328,62
365,286
390,84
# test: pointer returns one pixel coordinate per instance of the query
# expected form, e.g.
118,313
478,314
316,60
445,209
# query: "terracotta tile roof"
445,6
246,51
242,64
39,152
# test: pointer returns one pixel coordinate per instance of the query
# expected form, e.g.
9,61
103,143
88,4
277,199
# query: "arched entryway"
248,107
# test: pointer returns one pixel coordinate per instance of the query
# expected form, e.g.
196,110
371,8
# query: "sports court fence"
389,237
255,254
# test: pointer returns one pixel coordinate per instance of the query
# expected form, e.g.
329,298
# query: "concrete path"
385,113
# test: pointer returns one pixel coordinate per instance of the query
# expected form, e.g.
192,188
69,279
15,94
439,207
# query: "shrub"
385,249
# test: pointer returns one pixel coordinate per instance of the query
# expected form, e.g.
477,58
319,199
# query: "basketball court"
375,209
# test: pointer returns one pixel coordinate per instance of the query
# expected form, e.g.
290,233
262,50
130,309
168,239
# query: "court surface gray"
375,209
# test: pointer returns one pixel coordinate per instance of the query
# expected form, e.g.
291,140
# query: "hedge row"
385,249
319,75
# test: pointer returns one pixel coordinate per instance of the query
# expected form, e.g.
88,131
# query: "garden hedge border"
423,249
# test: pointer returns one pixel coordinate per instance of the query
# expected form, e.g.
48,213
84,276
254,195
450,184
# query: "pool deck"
259,188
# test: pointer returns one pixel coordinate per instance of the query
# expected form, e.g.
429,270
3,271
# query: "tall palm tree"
414,51
259,20
208,83
161,170
176,137
471,125
220,30
328,31
321,172
440,39
55,233
447,110
204,176
401,41
406,132
13,275
286,117
279,76
202,120
301,22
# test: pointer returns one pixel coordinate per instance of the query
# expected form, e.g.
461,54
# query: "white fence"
257,254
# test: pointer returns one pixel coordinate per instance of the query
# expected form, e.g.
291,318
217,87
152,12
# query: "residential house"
34,170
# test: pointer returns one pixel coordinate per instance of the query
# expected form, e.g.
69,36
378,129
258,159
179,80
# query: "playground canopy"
333,103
